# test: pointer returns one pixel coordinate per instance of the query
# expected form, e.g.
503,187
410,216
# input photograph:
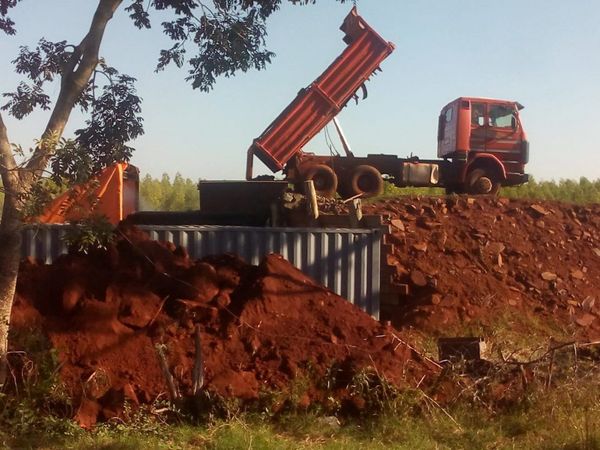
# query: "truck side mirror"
513,123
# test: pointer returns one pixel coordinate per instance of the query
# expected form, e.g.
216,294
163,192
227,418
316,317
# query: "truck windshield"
502,116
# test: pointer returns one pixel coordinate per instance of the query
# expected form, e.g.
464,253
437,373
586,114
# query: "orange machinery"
113,193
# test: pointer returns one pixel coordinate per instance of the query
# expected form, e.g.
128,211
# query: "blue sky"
543,53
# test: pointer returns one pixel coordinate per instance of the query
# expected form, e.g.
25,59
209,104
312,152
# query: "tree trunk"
10,254
10,242
78,72
17,181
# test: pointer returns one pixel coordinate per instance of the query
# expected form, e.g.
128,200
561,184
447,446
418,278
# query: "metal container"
249,198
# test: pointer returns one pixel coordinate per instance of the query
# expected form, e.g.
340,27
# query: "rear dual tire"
365,181
324,179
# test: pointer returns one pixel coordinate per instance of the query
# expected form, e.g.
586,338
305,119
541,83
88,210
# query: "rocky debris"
496,247
457,262
398,224
538,210
577,274
549,276
420,247
585,319
493,258
418,278
588,304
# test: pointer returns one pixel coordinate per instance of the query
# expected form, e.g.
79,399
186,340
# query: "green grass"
582,191
565,417
518,430
505,331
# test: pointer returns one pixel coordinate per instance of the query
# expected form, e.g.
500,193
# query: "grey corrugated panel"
43,242
347,261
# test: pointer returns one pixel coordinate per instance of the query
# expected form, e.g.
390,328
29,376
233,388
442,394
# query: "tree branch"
80,68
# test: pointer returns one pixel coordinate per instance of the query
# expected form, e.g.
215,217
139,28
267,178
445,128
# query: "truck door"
478,127
503,134
447,130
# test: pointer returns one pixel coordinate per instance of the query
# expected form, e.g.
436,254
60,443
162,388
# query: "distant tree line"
572,191
181,194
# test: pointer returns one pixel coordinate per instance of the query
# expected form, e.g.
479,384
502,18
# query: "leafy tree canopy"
210,38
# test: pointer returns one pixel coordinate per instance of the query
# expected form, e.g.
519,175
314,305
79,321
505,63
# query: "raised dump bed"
315,106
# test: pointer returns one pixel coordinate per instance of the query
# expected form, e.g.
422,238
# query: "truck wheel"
366,180
479,182
324,179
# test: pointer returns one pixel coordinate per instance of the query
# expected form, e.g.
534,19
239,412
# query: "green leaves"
38,66
43,63
6,24
226,46
95,233
115,119
25,99
222,36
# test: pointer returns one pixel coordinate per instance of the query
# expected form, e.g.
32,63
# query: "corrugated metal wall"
347,261
43,242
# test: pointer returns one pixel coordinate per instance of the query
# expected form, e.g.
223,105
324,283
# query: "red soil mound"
475,262
260,327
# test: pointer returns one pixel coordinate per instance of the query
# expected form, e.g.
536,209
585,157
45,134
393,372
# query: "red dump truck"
482,144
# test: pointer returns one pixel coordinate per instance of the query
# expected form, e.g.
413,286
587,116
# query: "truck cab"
486,142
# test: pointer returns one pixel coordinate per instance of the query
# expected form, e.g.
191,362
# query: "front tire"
480,182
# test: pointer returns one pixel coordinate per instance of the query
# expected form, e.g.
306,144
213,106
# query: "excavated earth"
493,265
464,266
262,329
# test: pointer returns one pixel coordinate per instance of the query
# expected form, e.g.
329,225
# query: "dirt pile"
261,328
480,263
456,266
